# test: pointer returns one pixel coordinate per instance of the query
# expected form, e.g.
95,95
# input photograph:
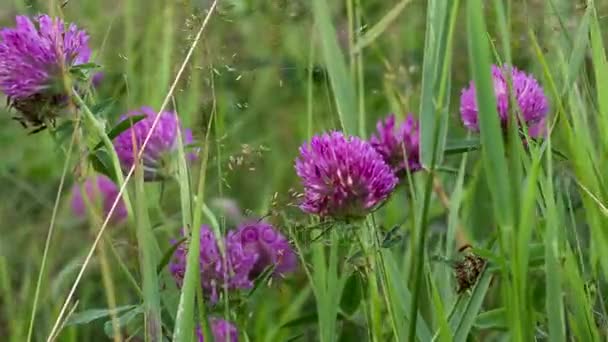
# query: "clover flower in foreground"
222,331
101,193
215,271
35,56
399,146
160,156
529,95
342,176
272,247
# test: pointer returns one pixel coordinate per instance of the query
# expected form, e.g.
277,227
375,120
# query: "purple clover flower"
97,79
531,100
222,331
101,193
343,177
35,56
216,272
399,146
269,244
160,156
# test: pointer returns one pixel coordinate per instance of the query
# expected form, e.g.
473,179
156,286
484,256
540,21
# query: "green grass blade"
441,16
493,150
148,259
402,299
472,307
341,82
373,33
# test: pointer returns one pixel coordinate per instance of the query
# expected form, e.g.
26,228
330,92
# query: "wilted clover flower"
160,155
101,193
399,146
272,247
342,176
35,56
215,271
222,331
531,100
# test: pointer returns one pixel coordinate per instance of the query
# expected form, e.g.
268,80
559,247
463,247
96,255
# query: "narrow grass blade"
472,307
376,30
434,102
341,83
493,150
148,259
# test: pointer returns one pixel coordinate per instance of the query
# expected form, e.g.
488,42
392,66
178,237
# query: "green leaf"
461,146
352,294
123,320
472,306
88,316
307,319
492,319
85,66
63,132
168,254
262,278
100,160
101,108
493,150
434,99
392,237
341,83
121,127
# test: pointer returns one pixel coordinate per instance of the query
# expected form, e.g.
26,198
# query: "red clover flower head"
101,193
343,176
216,272
529,95
160,154
222,331
272,248
399,146
35,57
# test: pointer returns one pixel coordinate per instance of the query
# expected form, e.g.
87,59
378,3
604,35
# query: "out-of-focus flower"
160,156
342,176
97,79
215,271
272,247
35,59
222,331
101,193
399,146
530,97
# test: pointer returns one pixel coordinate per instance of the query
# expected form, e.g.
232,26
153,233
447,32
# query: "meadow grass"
255,79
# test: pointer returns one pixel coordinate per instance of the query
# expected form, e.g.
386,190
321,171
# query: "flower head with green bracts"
343,176
35,58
